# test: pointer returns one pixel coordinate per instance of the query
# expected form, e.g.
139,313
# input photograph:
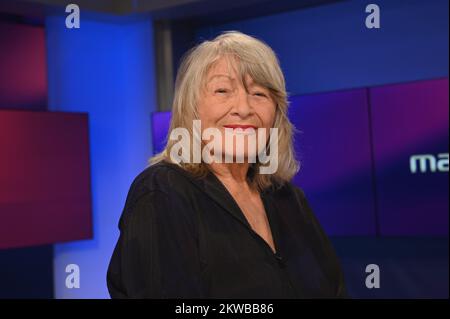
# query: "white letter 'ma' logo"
428,162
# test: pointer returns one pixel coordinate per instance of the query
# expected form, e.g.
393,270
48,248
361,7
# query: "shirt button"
280,261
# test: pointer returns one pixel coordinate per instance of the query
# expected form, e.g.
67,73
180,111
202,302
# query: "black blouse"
186,237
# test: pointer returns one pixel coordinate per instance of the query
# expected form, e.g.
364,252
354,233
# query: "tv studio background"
83,107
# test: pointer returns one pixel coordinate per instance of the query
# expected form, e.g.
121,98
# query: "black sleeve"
327,253
156,255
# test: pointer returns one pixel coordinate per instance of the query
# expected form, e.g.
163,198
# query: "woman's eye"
261,94
221,91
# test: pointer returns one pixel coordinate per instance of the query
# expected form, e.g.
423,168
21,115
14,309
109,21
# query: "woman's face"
225,103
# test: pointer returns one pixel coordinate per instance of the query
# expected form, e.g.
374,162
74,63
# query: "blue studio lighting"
104,68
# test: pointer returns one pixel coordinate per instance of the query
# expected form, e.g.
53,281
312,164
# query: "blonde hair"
255,59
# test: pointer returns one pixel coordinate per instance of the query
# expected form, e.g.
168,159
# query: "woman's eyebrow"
250,83
220,76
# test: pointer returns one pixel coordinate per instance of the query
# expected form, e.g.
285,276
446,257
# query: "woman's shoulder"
162,177
286,191
292,197
157,185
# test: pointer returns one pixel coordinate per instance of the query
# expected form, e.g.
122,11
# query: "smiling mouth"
239,126
241,129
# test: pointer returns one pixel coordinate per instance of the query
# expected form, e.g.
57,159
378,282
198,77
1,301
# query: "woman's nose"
242,105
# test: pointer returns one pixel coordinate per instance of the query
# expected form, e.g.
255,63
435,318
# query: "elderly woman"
216,228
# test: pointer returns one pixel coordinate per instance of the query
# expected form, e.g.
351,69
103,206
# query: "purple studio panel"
45,194
332,143
410,137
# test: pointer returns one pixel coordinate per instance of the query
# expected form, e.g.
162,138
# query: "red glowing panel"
23,84
45,194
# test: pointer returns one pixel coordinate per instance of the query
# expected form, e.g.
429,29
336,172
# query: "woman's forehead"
224,67
227,71
231,68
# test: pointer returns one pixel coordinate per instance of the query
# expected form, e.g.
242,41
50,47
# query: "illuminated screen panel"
333,146
410,134
45,194
23,83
